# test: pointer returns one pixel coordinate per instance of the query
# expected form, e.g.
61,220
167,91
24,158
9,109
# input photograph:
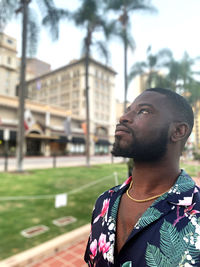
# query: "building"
64,90
8,65
120,109
45,131
36,67
196,130
65,87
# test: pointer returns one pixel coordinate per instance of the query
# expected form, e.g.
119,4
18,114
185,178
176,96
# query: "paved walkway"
72,256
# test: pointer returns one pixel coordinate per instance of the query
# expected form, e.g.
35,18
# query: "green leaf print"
189,236
164,196
175,247
115,207
155,258
127,264
184,183
171,245
148,217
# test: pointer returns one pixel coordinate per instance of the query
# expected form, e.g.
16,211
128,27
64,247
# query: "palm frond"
103,51
7,11
32,32
53,18
137,69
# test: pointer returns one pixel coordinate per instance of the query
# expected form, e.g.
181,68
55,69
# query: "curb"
37,254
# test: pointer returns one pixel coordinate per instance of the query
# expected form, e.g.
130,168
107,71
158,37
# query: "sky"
174,26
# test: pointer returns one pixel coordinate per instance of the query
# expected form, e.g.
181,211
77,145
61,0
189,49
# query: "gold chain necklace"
142,200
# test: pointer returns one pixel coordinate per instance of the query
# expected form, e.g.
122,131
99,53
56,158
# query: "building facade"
8,65
65,87
45,129
64,90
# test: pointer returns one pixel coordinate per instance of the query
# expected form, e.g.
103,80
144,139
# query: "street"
59,161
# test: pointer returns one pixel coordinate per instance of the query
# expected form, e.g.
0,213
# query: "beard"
143,151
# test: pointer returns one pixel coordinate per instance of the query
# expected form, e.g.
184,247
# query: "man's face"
143,130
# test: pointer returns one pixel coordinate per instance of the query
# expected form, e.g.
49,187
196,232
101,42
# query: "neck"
154,178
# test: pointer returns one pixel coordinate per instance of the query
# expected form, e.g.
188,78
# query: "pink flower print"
126,182
111,192
104,209
194,212
93,249
103,246
189,210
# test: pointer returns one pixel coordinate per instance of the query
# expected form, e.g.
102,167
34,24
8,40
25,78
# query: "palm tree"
89,16
30,30
125,8
180,74
151,68
7,9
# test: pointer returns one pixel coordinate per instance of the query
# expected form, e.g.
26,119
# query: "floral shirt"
167,234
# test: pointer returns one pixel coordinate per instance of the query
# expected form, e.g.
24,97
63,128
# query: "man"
153,218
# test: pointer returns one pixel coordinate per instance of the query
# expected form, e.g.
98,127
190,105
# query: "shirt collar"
181,193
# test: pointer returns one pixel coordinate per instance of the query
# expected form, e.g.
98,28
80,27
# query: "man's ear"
180,130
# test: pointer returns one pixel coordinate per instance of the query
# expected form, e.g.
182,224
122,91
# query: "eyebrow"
146,104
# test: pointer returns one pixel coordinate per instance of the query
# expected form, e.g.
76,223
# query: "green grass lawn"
17,215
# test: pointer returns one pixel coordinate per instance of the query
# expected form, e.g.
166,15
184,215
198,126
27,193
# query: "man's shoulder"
114,191
109,193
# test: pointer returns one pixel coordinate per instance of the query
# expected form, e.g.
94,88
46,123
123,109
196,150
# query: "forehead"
156,100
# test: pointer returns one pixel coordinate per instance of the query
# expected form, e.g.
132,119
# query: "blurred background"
77,64
68,71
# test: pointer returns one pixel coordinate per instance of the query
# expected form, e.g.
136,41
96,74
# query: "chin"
121,150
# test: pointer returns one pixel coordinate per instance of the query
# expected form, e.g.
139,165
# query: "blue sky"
174,26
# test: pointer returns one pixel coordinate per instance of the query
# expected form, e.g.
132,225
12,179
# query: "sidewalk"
73,256
60,161
65,250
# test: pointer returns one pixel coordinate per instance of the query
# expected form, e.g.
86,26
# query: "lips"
121,130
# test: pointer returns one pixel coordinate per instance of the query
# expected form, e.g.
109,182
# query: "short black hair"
179,104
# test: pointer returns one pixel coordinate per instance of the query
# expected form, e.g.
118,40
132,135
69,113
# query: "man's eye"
144,111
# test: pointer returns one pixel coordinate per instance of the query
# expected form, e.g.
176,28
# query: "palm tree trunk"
20,134
87,105
125,70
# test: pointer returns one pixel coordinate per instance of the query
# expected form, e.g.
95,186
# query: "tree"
125,8
90,17
30,30
193,97
180,74
152,67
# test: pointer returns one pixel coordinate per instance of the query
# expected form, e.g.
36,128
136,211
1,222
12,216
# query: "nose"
125,118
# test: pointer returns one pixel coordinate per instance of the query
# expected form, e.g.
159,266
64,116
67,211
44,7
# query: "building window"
54,90
75,105
76,73
75,94
53,100
9,41
9,60
75,83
